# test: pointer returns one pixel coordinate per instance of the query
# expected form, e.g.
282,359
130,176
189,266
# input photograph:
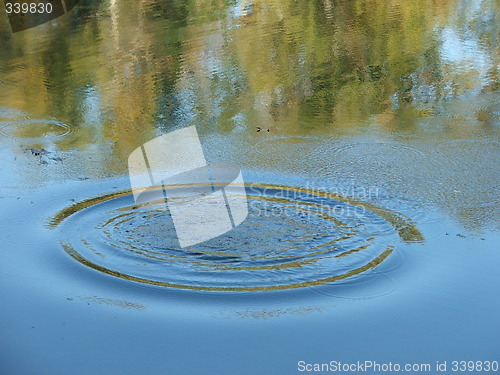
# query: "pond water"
367,133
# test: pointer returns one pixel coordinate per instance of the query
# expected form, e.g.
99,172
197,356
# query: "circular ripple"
9,114
380,155
292,238
276,147
34,129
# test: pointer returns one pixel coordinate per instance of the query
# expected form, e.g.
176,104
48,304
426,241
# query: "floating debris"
37,151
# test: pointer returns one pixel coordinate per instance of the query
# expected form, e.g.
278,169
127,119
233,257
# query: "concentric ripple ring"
293,238
34,129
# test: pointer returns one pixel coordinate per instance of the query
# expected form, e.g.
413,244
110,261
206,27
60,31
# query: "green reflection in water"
119,73
124,68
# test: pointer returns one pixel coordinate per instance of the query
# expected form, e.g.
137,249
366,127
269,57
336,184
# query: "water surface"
373,186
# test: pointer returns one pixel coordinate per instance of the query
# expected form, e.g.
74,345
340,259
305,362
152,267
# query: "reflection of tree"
338,62
62,98
5,31
300,65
